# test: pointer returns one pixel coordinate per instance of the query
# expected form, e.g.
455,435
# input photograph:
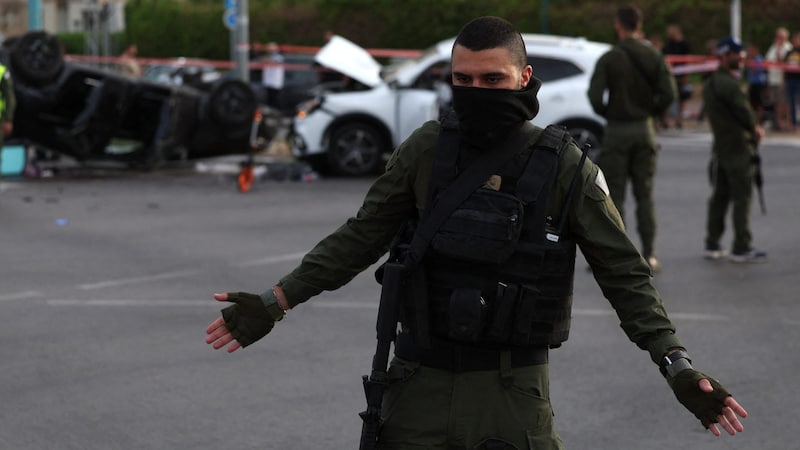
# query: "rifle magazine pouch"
524,315
485,228
503,313
467,313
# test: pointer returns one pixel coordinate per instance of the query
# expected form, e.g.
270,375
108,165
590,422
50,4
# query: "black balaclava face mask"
485,116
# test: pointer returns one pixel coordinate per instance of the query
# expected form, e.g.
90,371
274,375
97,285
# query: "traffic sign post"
229,18
236,19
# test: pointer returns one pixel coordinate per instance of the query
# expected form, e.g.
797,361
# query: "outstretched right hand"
244,322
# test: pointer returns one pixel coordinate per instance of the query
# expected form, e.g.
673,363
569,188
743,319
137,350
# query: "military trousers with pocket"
434,409
630,151
732,185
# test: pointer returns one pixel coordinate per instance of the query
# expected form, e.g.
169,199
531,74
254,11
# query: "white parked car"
352,132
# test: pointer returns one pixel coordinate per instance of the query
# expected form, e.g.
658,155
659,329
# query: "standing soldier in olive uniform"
736,134
639,86
479,378
8,103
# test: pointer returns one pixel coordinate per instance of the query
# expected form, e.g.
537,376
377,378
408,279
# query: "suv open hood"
348,58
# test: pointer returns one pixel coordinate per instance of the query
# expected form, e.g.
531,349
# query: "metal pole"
242,41
736,19
544,7
34,15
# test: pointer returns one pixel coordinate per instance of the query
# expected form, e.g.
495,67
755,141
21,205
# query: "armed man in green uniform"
736,135
495,271
631,85
8,103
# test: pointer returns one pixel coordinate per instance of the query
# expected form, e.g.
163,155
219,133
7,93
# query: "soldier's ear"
525,76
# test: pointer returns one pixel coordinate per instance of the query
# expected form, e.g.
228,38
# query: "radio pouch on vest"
474,176
486,227
415,300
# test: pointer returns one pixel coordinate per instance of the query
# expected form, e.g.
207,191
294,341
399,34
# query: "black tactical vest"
499,270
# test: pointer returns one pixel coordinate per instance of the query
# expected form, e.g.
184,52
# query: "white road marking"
20,295
345,305
137,280
129,302
272,260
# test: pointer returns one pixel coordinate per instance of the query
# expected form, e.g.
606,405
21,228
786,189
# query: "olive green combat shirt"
733,122
401,192
630,95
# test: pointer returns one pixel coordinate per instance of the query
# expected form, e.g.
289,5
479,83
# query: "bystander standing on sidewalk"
756,80
676,45
777,90
273,75
791,77
128,63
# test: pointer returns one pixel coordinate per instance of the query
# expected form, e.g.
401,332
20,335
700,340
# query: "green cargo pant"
732,184
433,409
630,151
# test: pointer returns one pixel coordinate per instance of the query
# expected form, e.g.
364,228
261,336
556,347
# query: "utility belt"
456,357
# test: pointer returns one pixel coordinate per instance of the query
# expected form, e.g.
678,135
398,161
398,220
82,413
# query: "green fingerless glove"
252,316
706,406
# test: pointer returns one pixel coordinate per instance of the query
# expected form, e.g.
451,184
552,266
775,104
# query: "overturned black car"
84,111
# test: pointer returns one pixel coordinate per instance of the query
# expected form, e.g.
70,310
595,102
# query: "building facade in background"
64,16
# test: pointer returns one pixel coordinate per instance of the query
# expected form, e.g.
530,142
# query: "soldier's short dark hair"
630,17
489,32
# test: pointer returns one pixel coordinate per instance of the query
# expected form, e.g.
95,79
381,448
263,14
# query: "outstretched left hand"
708,400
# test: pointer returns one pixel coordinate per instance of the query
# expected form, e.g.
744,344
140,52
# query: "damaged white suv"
352,131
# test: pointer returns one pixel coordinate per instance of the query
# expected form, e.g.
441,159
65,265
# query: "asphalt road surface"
105,294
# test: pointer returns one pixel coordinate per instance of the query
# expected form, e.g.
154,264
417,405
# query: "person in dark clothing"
631,85
756,72
478,379
736,135
676,45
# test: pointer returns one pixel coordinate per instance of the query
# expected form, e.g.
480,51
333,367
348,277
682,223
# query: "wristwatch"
675,362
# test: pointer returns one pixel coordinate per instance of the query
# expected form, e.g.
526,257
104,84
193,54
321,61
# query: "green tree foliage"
194,27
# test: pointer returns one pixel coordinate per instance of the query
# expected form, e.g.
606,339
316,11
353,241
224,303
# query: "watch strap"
675,362
270,301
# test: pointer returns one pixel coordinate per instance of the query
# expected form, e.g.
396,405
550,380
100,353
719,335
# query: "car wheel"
584,134
37,58
232,102
355,149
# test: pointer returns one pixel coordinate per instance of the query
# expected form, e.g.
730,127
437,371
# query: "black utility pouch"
467,315
524,315
502,315
415,306
484,229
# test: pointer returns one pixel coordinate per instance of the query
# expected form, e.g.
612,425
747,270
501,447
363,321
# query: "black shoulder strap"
638,65
562,221
537,181
542,162
445,160
456,192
